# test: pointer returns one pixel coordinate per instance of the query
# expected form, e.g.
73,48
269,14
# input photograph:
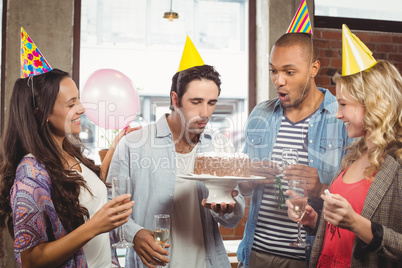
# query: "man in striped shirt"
301,117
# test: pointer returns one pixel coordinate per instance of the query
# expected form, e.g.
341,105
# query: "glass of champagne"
161,229
120,186
298,198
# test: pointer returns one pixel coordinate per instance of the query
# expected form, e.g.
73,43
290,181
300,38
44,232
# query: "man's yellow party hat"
356,56
190,57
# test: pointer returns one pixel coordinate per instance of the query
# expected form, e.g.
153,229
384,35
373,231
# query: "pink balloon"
110,99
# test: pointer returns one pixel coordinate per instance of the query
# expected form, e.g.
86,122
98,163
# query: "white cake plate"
220,188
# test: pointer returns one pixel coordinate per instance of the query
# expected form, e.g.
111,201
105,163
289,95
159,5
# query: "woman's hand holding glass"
112,215
309,218
120,186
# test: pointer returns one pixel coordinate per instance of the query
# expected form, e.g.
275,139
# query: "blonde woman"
361,221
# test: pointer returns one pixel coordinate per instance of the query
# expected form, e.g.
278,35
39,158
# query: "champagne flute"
161,229
298,198
289,157
120,186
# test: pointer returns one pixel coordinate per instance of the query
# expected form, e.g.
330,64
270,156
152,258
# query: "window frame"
358,24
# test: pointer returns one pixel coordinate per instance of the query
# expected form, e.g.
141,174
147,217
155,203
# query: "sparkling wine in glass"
161,229
298,198
120,186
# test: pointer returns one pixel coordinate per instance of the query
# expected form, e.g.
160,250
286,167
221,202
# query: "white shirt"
187,239
97,251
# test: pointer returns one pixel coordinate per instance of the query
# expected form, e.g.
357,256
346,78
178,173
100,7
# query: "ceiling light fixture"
170,14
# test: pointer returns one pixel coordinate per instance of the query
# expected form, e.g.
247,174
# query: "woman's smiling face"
351,113
67,110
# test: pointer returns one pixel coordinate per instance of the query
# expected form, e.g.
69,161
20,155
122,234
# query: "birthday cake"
222,164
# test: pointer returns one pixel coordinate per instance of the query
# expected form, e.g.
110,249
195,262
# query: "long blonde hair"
379,90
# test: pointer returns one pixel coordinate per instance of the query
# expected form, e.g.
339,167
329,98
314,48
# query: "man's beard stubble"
305,90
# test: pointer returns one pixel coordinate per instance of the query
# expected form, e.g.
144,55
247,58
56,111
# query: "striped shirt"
275,231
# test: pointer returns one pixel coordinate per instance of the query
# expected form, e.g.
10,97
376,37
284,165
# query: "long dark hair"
27,131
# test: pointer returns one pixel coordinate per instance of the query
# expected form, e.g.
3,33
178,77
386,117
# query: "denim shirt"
148,157
327,139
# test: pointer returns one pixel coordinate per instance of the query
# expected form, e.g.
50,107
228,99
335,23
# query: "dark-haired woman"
53,201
